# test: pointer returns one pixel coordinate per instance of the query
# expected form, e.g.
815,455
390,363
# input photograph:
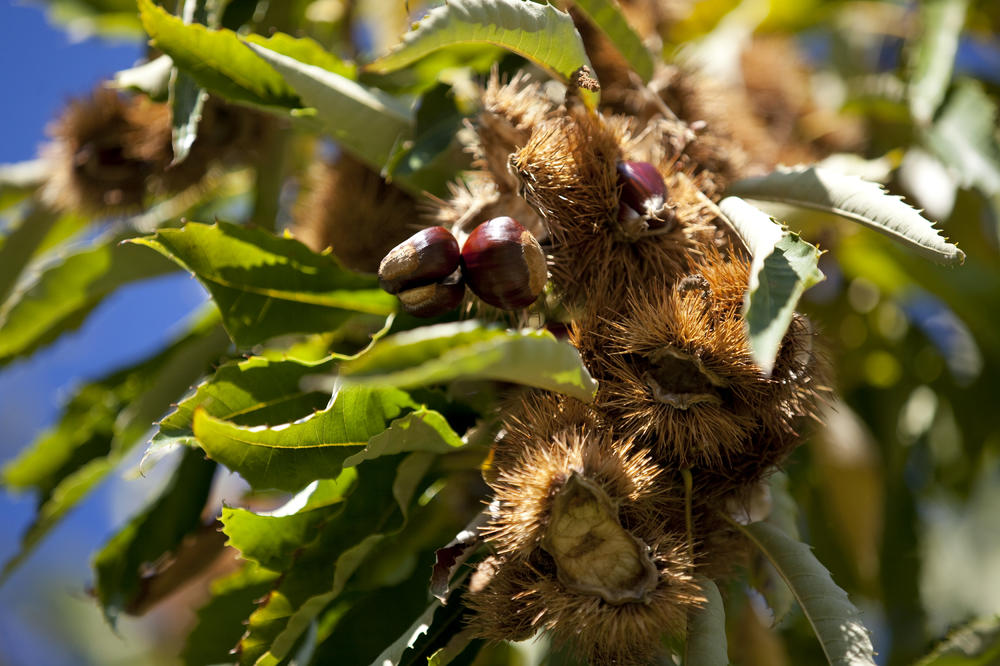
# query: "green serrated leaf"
153,533
975,644
187,98
786,274
220,621
272,539
783,516
99,427
65,292
354,638
393,654
539,32
21,243
366,121
305,50
834,619
346,633
172,380
932,55
376,509
426,640
783,266
291,455
266,286
427,72
107,18
93,419
706,636
216,59
256,391
852,198
964,136
443,352
606,15
434,157
219,61
420,430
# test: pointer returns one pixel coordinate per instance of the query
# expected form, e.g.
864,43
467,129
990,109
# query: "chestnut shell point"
427,256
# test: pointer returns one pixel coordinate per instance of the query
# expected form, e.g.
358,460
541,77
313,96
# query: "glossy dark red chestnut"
430,255
643,196
503,264
436,298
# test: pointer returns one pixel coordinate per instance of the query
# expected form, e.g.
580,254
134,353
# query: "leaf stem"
270,178
688,486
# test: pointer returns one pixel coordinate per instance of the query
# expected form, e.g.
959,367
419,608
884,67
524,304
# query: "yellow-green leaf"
537,31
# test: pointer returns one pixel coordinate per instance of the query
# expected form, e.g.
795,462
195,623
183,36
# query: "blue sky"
41,70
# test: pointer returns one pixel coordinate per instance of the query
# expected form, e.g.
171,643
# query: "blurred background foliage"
898,493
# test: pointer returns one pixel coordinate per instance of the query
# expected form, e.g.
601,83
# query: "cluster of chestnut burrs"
501,261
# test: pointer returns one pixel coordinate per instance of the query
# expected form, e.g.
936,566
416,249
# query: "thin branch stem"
688,487
271,170
689,526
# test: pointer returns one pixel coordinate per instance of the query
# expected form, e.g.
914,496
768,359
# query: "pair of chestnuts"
643,202
501,262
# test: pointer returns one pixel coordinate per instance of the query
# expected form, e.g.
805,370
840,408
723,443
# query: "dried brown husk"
567,173
771,119
731,142
676,371
779,91
658,321
547,438
110,153
510,110
518,598
475,199
550,444
96,164
227,135
350,208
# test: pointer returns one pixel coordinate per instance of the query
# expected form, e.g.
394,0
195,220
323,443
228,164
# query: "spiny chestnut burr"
436,298
428,256
504,264
643,197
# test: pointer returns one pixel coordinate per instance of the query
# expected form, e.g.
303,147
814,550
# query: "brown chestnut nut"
643,197
436,298
503,264
425,257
